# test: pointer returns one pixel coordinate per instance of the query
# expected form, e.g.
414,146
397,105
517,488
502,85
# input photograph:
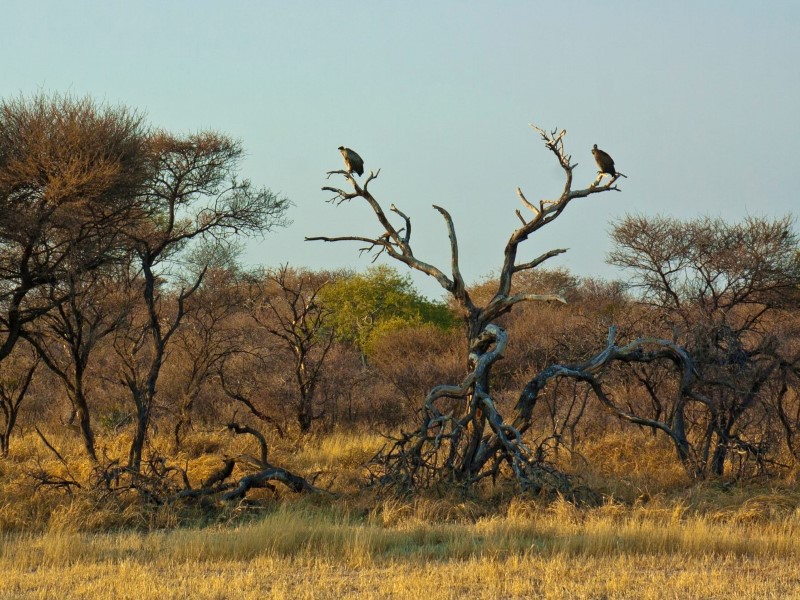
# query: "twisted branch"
450,444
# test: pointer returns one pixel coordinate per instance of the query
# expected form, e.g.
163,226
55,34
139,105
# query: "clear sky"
697,101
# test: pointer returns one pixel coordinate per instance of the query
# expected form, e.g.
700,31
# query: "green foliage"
365,306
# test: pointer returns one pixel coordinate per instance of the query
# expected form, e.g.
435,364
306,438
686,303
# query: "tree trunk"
85,425
718,458
137,445
681,443
304,420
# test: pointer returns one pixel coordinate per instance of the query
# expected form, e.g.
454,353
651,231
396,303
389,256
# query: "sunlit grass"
654,536
340,450
301,551
528,576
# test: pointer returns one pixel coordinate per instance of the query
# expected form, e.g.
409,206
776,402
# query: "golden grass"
529,576
309,551
655,537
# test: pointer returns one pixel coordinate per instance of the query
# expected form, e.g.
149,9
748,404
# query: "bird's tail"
621,175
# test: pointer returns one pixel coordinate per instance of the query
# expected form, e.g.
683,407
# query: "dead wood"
262,441
475,442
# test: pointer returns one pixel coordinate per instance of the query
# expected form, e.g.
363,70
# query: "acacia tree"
193,196
477,441
721,290
67,336
70,176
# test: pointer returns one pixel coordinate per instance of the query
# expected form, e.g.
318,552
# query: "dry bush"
345,389
413,360
627,463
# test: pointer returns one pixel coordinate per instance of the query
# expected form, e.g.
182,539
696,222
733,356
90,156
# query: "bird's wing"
356,163
604,161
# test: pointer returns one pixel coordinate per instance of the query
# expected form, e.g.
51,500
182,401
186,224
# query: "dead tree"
217,485
476,441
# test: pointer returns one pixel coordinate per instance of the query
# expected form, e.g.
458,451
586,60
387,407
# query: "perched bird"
352,161
606,163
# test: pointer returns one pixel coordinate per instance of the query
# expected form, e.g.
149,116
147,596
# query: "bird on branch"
606,164
352,161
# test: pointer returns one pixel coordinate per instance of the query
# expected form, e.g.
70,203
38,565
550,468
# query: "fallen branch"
262,479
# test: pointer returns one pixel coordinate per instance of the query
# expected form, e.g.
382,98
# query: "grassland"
658,538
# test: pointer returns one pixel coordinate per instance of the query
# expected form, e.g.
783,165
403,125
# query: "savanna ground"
654,536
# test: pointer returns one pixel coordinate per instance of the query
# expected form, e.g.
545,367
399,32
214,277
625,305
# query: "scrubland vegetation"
173,424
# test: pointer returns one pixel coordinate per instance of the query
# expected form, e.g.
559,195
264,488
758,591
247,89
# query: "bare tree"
240,377
474,442
292,313
787,405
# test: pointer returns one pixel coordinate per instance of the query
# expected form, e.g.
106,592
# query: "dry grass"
656,536
309,551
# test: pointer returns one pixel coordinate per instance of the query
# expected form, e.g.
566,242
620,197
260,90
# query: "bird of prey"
352,161
606,164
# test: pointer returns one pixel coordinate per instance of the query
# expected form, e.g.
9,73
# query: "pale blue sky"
697,102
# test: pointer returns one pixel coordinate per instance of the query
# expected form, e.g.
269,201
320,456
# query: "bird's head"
594,147
341,148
